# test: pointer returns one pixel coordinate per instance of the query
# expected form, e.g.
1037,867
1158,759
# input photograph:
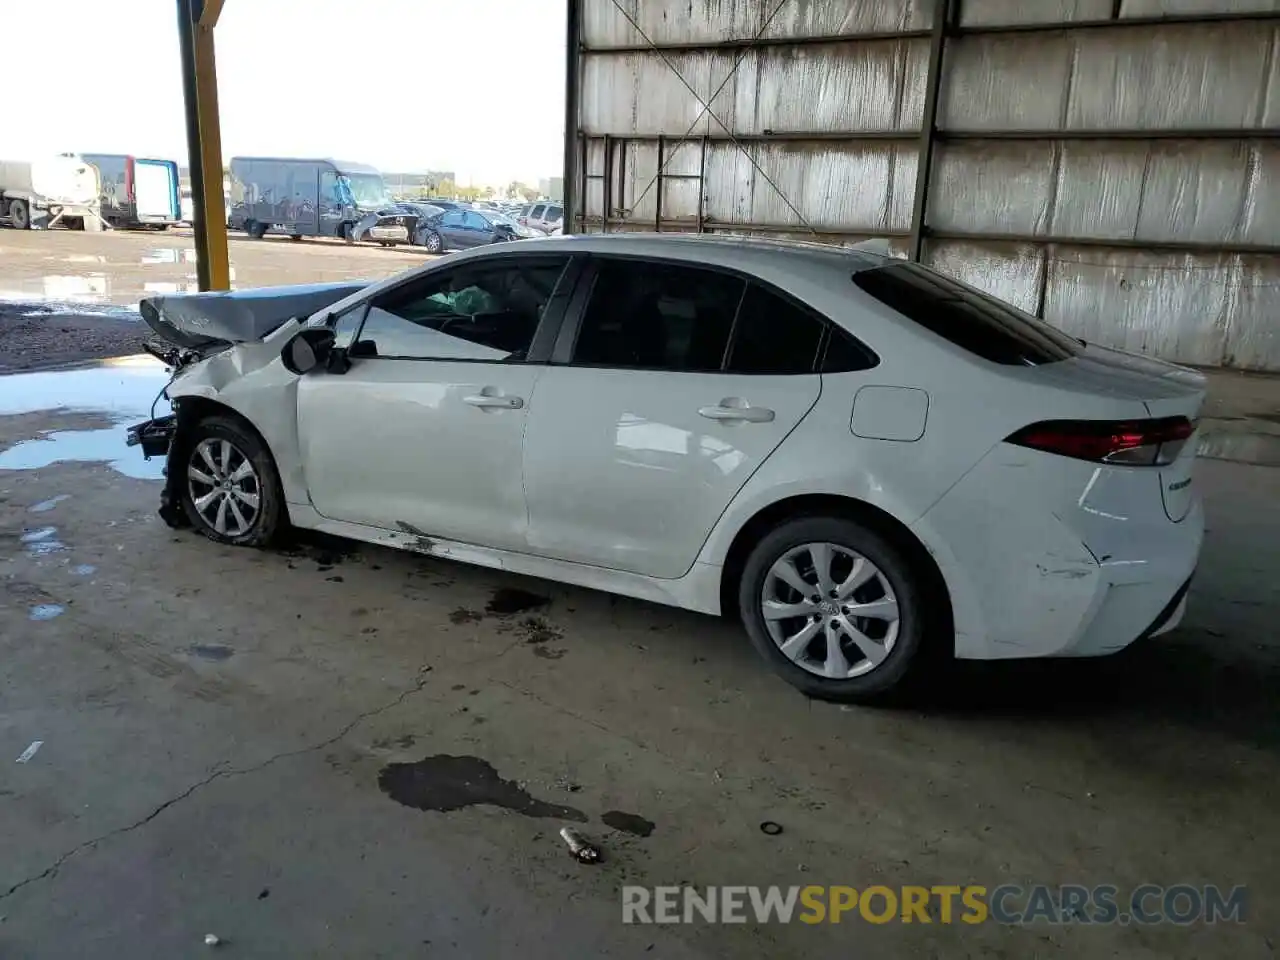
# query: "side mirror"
307,349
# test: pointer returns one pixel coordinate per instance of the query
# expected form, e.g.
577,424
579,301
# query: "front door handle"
491,402
736,411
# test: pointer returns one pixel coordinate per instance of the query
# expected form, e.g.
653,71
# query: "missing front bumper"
153,436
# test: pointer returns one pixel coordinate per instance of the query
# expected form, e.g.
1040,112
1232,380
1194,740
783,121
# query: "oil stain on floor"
444,783
509,600
631,823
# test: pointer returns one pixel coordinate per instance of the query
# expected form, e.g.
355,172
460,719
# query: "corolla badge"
1180,485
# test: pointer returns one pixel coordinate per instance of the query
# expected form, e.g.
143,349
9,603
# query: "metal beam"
753,43
1125,133
929,125
211,12
1117,243
572,82
204,144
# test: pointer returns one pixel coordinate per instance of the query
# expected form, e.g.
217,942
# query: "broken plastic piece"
580,846
212,940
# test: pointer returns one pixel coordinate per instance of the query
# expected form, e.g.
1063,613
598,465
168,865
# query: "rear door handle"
733,414
500,403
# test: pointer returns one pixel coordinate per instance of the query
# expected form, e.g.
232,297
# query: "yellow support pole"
215,217
196,20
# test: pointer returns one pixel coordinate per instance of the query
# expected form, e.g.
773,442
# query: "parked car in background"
303,198
138,191
447,204
402,222
874,466
543,217
463,229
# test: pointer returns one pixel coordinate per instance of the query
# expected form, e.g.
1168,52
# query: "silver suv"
547,217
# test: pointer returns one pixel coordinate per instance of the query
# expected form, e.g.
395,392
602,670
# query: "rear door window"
970,319
773,336
657,316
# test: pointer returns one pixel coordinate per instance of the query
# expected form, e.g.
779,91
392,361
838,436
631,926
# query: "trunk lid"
198,320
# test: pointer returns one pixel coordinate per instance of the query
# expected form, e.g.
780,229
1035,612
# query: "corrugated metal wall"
1111,165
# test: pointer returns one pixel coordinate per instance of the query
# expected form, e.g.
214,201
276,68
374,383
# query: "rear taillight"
1145,443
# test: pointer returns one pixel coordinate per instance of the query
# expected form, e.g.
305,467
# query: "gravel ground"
33,338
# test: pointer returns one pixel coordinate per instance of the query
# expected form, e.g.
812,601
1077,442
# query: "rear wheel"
231,491
835,608
255,229
19,216
345,231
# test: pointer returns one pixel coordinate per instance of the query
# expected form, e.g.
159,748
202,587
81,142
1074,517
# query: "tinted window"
845,354
475,221
972,320
773,335
659,316
536,213
555,214
454,218
484,312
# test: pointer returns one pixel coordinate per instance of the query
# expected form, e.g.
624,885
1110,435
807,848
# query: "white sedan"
867,462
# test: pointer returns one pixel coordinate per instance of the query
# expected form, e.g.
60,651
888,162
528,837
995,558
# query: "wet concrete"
67,296
174,784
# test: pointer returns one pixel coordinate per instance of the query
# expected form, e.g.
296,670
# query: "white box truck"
51,190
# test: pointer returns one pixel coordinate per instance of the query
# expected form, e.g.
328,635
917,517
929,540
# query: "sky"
474,86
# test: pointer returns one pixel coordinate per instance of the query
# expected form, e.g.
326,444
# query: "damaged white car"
872,465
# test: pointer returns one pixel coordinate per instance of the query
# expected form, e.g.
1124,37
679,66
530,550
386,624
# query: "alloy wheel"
224,487
830,610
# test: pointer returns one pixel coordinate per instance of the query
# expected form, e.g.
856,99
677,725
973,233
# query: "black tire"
19,215
295,236
255,229
271,518
433,242
345,232
910,587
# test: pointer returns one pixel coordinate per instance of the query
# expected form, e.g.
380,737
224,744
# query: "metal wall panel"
1163,8
1010,271
985,13
827,149
1174,306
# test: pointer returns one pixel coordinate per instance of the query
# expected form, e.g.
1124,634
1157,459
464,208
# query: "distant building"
414,184
552,188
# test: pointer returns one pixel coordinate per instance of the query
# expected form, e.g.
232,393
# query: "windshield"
497,217
367,189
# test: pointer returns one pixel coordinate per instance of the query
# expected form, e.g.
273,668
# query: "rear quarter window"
972,320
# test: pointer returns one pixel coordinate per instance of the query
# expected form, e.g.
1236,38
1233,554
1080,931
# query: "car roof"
729,251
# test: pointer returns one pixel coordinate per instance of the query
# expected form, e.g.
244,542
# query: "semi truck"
138,191
50,191
301,197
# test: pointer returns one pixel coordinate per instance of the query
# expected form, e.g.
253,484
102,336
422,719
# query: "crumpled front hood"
195,320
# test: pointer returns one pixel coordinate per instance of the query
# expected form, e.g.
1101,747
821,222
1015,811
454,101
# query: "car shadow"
1171,680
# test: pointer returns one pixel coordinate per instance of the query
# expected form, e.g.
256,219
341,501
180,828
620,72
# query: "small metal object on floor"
581,848
771,828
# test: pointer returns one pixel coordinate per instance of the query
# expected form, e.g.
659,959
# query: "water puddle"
80,288
84,570
159,255
42,541
212,651
122,390
45,611
509,600
444,783
44,506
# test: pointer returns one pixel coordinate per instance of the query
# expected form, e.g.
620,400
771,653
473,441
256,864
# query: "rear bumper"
1047,569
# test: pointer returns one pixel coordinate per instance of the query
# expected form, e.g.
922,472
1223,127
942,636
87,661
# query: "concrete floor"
219,729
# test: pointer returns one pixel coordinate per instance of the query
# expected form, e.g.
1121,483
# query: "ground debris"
583,850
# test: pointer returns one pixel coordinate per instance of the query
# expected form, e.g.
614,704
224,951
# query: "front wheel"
19,216
433,243
835,608
231,491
